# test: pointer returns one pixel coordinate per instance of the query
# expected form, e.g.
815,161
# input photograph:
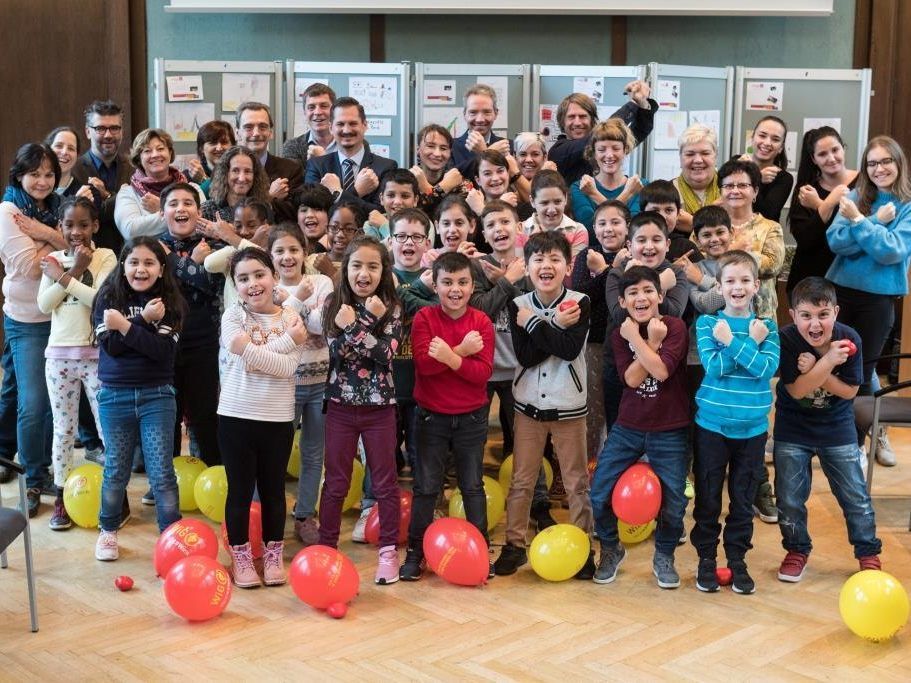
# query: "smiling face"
105,141
493,180
609,156
641,300
64,146
317,110
885,172
78,227
649,245
342,229
255,284
141,268
500,229
454,227
365,268
480,114
546,271
578,122
313,222
767,142
155,158
348,129
549,204
434,152
255,130
246,221
815,322
714,240
697,162
240,175
181,213
454,290
398,196
213,151
407,255
738,287
737,192
288,258
829,156
611,229
39,183
531,159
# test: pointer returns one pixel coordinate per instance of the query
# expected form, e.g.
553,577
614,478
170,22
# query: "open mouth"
453,240
407,251
182,218
546,278
362,285
739,298
816,336
501,239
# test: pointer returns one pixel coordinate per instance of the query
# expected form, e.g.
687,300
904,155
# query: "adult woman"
822,180
237,174
739,182
137,210
531,154
28,219
607,148
770,156
697,182
435,178
65,143
213,139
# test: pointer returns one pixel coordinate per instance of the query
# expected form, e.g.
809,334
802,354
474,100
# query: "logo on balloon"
221,587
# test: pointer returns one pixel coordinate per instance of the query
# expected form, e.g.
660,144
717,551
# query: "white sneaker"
106,546
885,456
357,534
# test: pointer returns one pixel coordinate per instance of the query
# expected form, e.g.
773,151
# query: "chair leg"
871,454
30,574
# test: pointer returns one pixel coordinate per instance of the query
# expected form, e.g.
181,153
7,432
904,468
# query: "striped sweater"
735,397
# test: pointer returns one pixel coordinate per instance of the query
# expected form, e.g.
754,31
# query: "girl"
137,314
313,216
822,180
548,197
769,154
493,179
363,328
67,291
305,294
264,341
456,222
345,223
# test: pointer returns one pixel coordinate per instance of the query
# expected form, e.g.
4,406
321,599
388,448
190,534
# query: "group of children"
386,332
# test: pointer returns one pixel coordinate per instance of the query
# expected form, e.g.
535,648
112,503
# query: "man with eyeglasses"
255,129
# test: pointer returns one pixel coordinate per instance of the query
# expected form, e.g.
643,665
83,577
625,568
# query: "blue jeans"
131,416
308,412
667,456
34,422
841,465
8,405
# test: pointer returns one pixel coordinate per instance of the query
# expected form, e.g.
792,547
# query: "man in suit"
480,112
353,172
103,167
318,100
255,129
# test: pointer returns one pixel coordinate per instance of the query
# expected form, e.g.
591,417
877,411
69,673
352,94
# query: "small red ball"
851,346
123,583
337,610
723,574
566,305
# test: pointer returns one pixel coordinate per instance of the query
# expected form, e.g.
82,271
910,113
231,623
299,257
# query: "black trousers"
196,383
872,317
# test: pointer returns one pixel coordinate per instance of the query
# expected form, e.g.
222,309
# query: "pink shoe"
245,575
387,570
273,564
307,530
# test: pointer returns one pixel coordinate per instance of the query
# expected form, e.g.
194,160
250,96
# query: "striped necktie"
347,174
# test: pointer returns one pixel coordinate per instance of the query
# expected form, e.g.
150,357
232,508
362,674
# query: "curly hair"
218,190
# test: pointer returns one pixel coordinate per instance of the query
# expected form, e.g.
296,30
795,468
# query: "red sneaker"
792,567
869,562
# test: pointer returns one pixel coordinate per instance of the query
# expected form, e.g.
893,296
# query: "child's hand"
376,219
838,352
510,198
426,279
805,362
114,321
83,258
261,236
568,316
345,316
200,251
690,269
515,271
475,199
219,230
758,330
886,213
296,330
523,316
279,296
324,265
621,256
657,331
629,329
467,248
440,350
848,209
471,344
52,268
595,262
492,272
722,332
667,278
375,305
154,310
239,343
451,180
633,262
304,290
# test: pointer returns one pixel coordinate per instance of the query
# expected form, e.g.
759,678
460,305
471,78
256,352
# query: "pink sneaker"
273,564
242,567
792,567
387,570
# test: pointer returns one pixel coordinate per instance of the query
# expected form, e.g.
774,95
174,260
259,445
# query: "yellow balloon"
187,468
496,503
82,495
559,552
211,491
505,475
630,534
294,459
874,605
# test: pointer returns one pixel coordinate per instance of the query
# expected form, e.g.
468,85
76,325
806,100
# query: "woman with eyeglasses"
871,240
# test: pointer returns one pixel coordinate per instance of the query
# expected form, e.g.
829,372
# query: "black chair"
13,522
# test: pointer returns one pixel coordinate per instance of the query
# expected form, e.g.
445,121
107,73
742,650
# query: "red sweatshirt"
437,387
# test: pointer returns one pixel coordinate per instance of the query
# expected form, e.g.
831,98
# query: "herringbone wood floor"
516,628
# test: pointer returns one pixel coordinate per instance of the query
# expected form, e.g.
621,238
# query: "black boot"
540,513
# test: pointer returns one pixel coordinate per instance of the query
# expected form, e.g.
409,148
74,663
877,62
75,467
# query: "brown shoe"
307,530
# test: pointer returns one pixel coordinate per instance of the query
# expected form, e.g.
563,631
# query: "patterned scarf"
27,205
143,184
691,201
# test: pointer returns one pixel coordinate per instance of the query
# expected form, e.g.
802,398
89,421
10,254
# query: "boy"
398,190
740,355
453,357
821,370
662,197
650,350
549,326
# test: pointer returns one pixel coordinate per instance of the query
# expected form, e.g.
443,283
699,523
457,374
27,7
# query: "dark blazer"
108,235
464,160
279,167
317,167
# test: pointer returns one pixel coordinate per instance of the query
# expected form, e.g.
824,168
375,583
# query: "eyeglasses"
888,161
336,229
415,239
736,186
101,130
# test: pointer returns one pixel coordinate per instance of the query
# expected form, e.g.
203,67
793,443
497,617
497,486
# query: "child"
662,197
344,224
549,195
137,315
650,349
549,327
398,190
255,411
363,327
456,222
453,357
740,355
70,281
820,375
493,178
306,295
589,275
313,216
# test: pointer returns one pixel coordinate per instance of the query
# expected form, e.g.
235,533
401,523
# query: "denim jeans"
667,456
34,422
841,465
8,404
145,416
308,413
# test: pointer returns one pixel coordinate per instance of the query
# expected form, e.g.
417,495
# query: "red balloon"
337,610
184,538
255,533
372,530
457,552
322,576
637,495
197,588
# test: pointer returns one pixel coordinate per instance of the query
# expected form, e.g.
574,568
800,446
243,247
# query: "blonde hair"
144,139
867,190
481,89
698,133
612,130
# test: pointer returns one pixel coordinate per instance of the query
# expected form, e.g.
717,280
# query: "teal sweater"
870,256
735,397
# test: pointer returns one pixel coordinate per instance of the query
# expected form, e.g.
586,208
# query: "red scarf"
142,183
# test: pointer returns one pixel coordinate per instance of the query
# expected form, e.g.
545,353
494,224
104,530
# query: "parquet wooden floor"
515,628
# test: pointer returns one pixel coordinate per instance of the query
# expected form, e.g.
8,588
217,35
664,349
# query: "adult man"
480,111
353,172
578,114
255,129
103,168
318,100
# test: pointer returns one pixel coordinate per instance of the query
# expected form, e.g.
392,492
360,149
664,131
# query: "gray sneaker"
95,455
611,559
663,569
764,505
